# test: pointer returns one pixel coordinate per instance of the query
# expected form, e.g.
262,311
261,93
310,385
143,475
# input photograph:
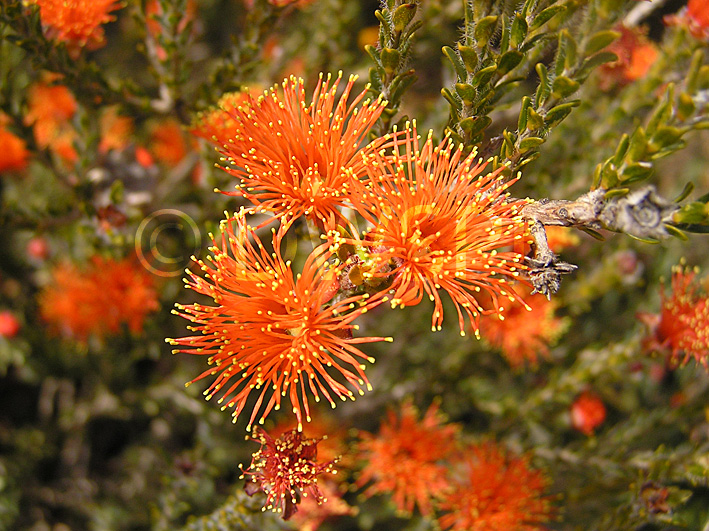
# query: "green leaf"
638,145
600,40
637,171
534,120
518,31
466,92
692,78
373,53
545,16
508,61
662,112
684,194
543,90
455,59
475,125
591,63
616,192
403,15
456,105
694,212
674,231
483,75
522,120
564,87
390,59
530,143
401,83
469,57
593,233
667,135
484,29
621,150
556,114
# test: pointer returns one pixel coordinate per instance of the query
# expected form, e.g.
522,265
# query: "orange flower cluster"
50,109
636,54
14,154
498,491
694,17
682,327
287,470
291,156
271,334
406,458
99,298
587,412
524,333
78,23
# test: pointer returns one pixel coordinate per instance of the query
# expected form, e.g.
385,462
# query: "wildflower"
78,23
50,109
405,458
167,143
524,333
311,515
116,130
439,223
99,298
291,156
218,123
498,491
587,412
636,54
271,334
9,325
14,153
286,469
695,17
682,327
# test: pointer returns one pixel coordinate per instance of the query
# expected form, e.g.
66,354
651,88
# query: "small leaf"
456,105
593,62
556,114
484,29
674,231
522,120
390,59
564,87
508,61
530,143
373,53
621,150
403,15
637,171
484,75
652,241
545,16
593,233
518,32
534,120
684,194
475,125
466,92
667,135
457,62
600,40
616,192
469,57
638,146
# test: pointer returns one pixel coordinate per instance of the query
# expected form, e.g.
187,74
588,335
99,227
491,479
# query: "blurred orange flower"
682,327
270,333
498,492
636,54
439,224
14,154
78,23
116,130
9,324
99,298
405,459
50,109
694,17
524,333
587,412
167,142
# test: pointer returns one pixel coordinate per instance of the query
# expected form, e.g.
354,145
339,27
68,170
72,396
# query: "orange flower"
285,469
498,492
587,412
217,124
636,54
14,151
439,224
9,325
523,333
168,143
311,514
404,459
271,334
291,156
116,130
682,328
694,17
77,22
99,298
50,109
